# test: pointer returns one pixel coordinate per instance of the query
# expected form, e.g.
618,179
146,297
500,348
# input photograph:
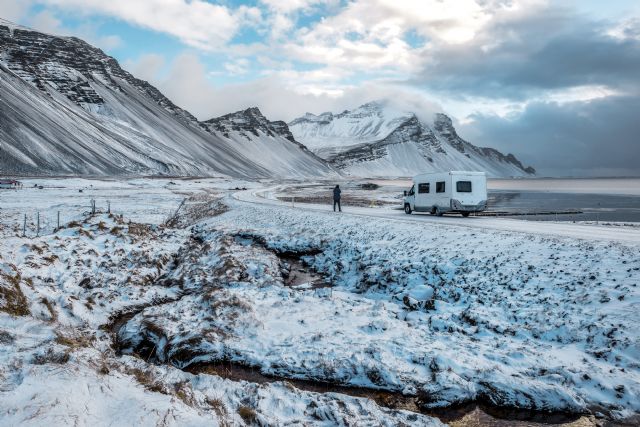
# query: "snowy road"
559,229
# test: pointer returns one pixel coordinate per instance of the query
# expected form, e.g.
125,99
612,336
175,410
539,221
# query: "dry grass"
196,208
185,393
52,311
232,302
140,230
12,300
74,342
146,379
220,409
248,414
50,259
85,233
35,248
51,356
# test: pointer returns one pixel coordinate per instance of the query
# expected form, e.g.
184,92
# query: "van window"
440,187
412,190
463,186
423,188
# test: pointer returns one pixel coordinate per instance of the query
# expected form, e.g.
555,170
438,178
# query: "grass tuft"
12,300
248,414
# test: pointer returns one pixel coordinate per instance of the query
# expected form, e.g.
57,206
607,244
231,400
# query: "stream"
298,275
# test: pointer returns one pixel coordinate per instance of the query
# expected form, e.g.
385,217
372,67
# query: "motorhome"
455,191
9,184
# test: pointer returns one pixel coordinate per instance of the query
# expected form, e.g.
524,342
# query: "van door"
411,197
423,196
442,194
463,190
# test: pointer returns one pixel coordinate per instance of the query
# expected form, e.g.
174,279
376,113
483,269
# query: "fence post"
24,226
58,227
38,225
108,206
93,207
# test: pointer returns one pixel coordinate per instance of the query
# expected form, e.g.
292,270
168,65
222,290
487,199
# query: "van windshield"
463,186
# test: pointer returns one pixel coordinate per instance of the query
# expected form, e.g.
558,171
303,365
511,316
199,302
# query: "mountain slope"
68,108
377,140
270,144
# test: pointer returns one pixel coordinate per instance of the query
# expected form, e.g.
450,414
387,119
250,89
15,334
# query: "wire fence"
40,222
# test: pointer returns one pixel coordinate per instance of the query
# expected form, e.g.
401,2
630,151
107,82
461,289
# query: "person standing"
336,198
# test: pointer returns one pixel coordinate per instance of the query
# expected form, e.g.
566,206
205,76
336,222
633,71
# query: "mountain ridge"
376,139
95,118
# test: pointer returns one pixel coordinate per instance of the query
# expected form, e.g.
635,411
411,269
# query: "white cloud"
47,22
237,67
625,30
187,85
147,67
197,23
288,6
14,10
109,42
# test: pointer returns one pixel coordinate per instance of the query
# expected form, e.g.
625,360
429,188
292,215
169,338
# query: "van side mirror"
405,193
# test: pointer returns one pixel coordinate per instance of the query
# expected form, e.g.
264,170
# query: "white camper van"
454,191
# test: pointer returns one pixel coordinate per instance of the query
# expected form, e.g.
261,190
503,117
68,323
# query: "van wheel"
407,209
465,214
433,210
438,211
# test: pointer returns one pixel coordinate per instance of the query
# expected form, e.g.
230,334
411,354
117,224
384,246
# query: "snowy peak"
71,67
377,139
249,123
330,132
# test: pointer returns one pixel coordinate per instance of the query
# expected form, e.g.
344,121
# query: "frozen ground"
272,195
98,318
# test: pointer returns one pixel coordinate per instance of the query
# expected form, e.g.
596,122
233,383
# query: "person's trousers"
334,205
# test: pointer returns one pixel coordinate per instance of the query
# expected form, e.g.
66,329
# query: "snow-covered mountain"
68,108
270,143
376,139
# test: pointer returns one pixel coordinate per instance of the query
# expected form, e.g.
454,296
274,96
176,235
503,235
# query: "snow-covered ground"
448,313
583,231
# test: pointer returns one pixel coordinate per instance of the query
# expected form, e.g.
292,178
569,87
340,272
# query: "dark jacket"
336,194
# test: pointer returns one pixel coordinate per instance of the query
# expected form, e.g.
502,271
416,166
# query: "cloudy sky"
556,82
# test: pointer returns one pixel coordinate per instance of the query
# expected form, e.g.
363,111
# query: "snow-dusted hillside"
378,140
270,144
68,108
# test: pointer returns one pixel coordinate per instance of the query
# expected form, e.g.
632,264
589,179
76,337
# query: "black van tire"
465,214
407,208
438,211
